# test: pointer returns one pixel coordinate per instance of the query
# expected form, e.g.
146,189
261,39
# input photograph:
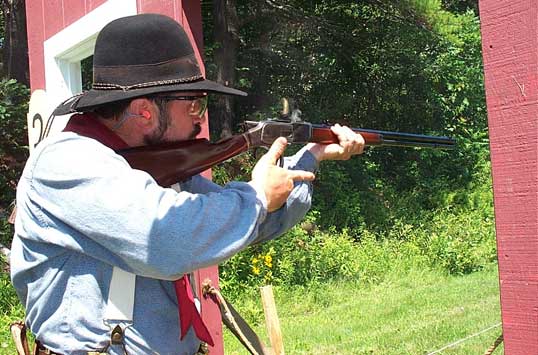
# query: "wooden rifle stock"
173,162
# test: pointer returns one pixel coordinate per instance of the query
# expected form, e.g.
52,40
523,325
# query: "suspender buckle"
203,349
116,336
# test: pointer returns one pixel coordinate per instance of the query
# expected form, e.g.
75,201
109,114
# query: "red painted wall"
45,18
510,51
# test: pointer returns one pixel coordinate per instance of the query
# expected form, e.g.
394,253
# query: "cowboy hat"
138,56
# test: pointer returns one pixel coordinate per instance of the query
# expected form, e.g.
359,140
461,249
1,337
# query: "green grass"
10,310
413,313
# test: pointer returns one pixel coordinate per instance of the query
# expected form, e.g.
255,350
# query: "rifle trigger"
259,151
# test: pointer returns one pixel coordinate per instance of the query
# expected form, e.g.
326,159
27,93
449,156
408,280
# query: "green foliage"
238,168
410,66
463,242
453,243
299,258
407,66
433,15
8,297
86,71
456,239
13,147
461,6
10,310
302,258
13,108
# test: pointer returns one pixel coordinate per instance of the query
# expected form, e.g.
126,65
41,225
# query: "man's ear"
144,112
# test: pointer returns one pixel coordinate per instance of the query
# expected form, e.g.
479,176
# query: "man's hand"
276,182
350,143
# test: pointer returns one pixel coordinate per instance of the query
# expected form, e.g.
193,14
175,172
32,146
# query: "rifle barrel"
389,137
372,137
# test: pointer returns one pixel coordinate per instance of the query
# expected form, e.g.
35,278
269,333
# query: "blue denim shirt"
82,210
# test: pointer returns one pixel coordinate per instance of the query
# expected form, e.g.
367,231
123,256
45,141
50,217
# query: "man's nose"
197,119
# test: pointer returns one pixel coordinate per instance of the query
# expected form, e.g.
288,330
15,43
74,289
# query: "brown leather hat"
138,56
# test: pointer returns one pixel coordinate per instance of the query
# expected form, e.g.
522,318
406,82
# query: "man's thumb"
277,148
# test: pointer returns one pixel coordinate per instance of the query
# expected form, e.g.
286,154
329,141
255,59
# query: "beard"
195,131
157,136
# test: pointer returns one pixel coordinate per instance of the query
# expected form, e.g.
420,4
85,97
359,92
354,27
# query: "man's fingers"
345,133
300,175
277,148
351,142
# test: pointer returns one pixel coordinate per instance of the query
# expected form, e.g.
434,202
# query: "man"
100,249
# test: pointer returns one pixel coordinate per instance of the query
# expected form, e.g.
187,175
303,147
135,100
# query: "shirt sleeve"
298,203
292,212
105,209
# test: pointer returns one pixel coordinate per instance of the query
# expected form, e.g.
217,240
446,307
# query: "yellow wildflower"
268,261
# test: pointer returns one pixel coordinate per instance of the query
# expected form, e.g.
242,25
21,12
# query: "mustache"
195,131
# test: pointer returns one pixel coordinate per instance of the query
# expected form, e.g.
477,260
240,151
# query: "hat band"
103,86
129,77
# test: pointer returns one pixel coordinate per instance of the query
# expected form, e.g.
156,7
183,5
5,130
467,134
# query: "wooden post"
510,50
271,320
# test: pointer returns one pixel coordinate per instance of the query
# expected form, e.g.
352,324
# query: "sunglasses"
200,100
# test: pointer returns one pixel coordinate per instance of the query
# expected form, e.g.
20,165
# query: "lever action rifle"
171,162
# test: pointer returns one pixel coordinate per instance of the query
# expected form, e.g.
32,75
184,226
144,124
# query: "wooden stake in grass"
271,320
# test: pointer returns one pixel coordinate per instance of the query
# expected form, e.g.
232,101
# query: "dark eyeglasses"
201,100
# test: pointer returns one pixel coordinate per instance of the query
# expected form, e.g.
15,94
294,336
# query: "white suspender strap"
120,303
121,296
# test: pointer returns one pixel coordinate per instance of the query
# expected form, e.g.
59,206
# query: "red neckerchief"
88,125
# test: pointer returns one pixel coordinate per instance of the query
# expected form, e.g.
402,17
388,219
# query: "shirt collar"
88,125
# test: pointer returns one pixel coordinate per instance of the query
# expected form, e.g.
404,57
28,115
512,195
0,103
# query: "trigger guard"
257,150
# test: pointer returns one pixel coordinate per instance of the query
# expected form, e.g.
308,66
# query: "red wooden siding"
166,7
53,21
510,46
91,4
36,37
76,9
45,18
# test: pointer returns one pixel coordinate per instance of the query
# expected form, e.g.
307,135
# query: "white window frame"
64,51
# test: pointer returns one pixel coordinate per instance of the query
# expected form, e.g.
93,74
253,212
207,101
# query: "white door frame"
64,51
